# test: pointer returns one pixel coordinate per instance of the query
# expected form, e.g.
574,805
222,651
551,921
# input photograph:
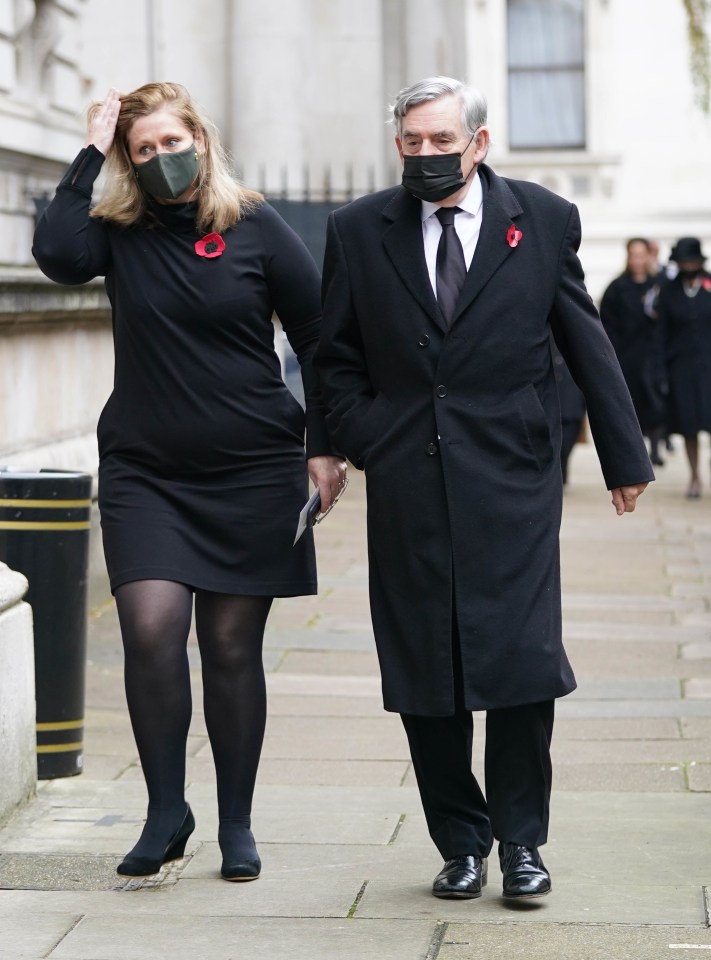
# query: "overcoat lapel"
500,210
404,245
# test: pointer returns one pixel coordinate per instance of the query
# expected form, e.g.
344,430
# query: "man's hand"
329,475
624,499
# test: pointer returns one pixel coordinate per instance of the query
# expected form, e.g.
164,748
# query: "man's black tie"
451,266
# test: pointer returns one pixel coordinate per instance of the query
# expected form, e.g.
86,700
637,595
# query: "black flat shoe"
246,870
525,875
146,866
461,878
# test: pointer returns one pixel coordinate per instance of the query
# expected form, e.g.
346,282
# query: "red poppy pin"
210,246
706,284
513,237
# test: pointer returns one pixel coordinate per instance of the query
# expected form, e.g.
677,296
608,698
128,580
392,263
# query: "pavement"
347,863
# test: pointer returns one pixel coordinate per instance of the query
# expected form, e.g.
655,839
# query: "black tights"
155,617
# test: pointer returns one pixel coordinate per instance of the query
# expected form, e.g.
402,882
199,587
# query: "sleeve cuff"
318,442
84,170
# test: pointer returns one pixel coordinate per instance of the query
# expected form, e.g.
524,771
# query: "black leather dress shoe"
461,879
524,872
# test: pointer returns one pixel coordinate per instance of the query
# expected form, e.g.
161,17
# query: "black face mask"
435,176
690,274
167,175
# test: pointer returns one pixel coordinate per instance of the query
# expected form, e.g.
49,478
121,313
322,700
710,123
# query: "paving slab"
323,705
107,767
698,689
302,862
328,685
325,895
642,633
573,902
603,614
686,591
513,939
695,727
285,638
637,778
570,707
630,751
616,688
641,603
699,775
696,651
21,940
620,812
604,777
335,773
331,662
53,872
378,738
644,728
236,938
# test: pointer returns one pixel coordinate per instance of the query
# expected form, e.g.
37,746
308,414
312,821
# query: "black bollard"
45,519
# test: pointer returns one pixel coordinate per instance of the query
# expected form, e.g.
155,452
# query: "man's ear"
481,142
398,144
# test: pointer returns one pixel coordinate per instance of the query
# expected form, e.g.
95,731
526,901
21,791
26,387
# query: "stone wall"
17,695
56,359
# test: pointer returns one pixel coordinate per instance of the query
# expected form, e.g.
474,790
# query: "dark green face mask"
167,175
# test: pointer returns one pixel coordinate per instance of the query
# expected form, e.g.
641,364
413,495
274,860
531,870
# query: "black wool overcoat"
686,326
458,431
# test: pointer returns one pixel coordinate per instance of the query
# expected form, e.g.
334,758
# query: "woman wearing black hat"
685,312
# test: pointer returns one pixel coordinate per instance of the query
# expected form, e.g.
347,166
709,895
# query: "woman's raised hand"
102,122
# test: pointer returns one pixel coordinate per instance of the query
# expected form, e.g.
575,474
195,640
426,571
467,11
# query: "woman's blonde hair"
221,200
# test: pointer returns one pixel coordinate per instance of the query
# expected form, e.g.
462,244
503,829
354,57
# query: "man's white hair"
434,88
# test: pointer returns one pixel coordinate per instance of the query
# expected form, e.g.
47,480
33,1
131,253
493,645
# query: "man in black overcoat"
439,300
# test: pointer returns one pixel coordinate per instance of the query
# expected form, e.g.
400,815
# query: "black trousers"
517,768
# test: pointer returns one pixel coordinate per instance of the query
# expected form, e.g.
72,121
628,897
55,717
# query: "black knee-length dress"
202,463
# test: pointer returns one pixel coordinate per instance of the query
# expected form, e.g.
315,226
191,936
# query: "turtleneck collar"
179,217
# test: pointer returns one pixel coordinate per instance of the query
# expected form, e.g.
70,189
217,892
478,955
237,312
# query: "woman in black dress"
685,314
627,313
202,470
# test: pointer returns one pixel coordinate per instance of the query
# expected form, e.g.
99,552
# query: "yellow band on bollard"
59,747
49,504
42,525
60,725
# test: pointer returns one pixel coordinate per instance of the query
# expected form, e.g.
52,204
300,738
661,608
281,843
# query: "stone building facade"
592,98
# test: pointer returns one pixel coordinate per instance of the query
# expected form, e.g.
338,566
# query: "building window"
546,44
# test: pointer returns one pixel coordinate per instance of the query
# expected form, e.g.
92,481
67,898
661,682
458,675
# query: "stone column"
18,759
308,102
421,38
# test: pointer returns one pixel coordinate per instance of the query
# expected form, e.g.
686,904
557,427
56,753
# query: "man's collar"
469,204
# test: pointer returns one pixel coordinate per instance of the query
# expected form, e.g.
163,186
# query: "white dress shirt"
467,224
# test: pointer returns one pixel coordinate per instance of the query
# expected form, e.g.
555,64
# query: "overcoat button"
441,390
431,449
424,340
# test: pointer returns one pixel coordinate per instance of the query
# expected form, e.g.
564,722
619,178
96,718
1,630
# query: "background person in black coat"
630,321
685,314
450,405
